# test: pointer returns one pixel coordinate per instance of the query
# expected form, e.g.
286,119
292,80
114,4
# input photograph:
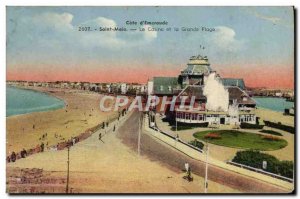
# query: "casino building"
191,82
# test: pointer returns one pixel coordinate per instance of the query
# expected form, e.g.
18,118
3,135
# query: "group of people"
40,148
23,153
44,136
100,134
59,136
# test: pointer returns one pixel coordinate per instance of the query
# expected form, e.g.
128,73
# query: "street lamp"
176,121
139,135
206,170
68,170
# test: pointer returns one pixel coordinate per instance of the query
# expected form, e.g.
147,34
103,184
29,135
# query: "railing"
261,171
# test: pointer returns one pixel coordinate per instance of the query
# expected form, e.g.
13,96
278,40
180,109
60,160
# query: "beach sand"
112,167
95,166
108,167
274,116
80,113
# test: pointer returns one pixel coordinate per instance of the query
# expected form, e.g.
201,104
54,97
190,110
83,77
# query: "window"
194,117
251,118
161,88
242,118
178,115
187,116
170,88
200,117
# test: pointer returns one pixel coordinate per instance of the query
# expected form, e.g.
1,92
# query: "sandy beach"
106,166
80,113
274,116
103,166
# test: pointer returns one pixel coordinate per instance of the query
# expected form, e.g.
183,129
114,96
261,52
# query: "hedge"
270,132
255,158
186,126
251,126
280,126
197,144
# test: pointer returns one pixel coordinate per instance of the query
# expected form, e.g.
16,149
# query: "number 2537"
84,28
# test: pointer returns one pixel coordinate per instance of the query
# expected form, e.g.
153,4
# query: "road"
157,151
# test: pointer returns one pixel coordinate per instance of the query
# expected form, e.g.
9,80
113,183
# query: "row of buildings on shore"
216,100
268,92
114,88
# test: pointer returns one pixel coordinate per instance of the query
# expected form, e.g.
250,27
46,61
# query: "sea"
22,101
273,103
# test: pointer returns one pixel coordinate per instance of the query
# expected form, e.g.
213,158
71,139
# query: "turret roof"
197,65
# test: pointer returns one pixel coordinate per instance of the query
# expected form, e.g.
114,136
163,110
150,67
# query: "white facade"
123,88
108,86
143,88
150,87
217,118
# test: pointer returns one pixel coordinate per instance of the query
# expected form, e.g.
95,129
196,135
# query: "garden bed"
242,140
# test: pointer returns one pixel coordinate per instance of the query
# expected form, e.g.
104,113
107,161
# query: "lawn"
239,139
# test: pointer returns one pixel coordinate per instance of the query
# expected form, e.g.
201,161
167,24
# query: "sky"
253,43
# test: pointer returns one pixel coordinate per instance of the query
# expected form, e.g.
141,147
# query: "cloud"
149,35
224,39
274,20
107,39
57,30
54,20
113,39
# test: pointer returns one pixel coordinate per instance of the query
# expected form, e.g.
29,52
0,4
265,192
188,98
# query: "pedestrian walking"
13,156
100,136
42,147
189,175
186,166
8,159
23,153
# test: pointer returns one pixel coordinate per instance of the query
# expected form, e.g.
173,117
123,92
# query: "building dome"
197,65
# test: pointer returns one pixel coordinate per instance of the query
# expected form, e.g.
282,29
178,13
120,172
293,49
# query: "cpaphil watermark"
141,104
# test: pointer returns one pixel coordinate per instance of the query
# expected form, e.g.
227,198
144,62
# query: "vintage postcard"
152,100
